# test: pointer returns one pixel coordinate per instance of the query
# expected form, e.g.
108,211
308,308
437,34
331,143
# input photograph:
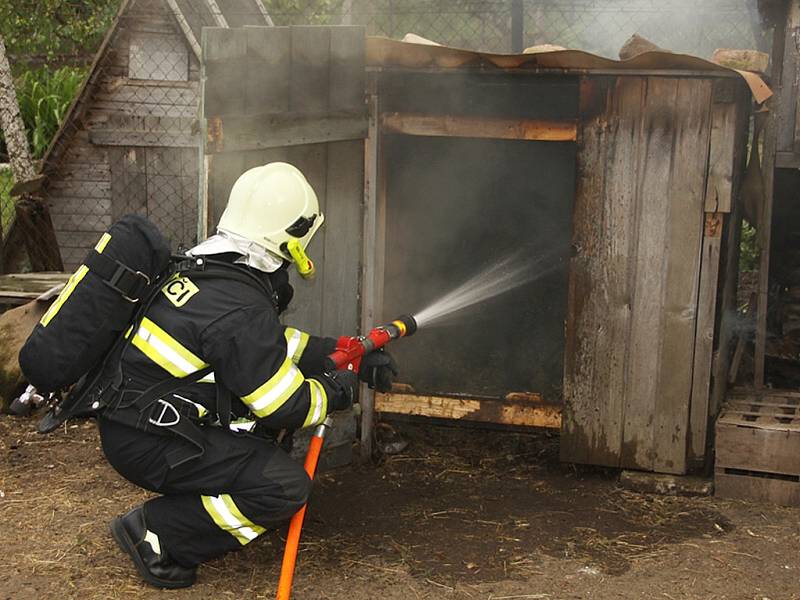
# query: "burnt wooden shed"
130,141
616,181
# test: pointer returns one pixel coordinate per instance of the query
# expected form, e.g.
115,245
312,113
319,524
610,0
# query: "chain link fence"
6,201
132,142
597,26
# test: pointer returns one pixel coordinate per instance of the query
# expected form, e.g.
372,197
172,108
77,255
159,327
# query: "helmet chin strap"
304,264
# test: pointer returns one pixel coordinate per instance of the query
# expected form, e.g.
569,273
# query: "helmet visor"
301,226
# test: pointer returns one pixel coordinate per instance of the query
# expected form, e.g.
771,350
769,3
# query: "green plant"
748,248
6,201
53,28
44,97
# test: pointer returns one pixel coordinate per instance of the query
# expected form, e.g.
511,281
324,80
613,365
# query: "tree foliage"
52,28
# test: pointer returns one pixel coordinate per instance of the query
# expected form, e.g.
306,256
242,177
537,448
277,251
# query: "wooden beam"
264,13
718,198
783,42
503,412
21,288
371,273
119,137
185,28
257,132
216,12
704,334
479,127
787,160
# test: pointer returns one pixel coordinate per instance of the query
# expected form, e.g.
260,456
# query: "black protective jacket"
273,372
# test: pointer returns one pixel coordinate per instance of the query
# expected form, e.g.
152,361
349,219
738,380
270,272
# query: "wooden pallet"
21,288
758,447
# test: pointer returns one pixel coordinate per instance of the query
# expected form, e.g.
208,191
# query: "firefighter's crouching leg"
239,488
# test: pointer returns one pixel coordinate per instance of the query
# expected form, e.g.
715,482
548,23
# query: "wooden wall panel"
310,78
343,220
601,273
300,85
634,278
226,71
312,160
347,57
269,60
685,222
299,80
650,237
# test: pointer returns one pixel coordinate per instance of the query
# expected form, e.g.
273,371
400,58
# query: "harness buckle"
167,410
127,282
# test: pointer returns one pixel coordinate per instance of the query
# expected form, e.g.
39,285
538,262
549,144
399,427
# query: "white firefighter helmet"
275,207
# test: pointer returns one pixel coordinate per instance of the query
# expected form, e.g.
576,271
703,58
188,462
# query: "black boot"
152,562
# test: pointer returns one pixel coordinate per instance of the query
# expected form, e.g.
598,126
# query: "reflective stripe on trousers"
224,512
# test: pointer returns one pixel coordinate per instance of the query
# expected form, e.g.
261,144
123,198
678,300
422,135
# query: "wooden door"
656,160
295,94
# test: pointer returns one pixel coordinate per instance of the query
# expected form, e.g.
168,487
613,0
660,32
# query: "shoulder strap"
166,386
129,284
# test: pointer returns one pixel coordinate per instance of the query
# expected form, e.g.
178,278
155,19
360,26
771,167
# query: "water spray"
505,275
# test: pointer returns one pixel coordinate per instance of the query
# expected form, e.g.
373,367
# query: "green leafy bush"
748,248
44,97
53,28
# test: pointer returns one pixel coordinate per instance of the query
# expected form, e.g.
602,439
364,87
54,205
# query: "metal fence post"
517,26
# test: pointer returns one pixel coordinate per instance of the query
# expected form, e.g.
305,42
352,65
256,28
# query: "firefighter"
210,449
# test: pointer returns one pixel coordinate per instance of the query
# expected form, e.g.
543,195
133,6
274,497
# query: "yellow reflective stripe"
74,280
242,424
318,403
228,517
201,410
234,510
270,396
296,342
165,351
102,242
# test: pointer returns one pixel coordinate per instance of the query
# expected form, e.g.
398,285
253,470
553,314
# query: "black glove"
378,370
343,387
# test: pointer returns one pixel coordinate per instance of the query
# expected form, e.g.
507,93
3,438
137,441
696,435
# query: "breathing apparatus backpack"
96,304
76,335
80,340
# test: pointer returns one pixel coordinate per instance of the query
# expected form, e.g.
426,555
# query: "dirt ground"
460,514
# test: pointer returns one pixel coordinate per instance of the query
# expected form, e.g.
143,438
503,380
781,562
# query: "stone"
637,45
666,485
16,325
538,49
743,60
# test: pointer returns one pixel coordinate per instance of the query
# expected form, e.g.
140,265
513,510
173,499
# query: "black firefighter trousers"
241,486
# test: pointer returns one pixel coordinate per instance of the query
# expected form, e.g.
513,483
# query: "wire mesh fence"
6,201
131,143
597,26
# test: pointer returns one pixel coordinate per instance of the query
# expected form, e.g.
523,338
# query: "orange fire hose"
348,354
296,524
